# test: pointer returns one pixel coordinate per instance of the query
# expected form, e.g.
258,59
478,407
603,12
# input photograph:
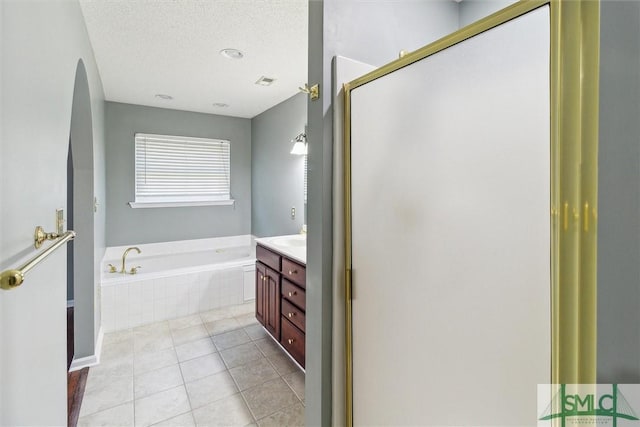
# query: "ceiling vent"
265,81
232,53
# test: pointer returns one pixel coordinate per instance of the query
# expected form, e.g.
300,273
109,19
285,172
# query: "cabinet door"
272,296
261,295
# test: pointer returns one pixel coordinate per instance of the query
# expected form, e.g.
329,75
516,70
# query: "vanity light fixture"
299,144
232,53
164,96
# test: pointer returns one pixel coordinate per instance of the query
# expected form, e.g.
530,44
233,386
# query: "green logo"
585,405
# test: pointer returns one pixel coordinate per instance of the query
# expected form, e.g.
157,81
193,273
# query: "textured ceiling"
149,47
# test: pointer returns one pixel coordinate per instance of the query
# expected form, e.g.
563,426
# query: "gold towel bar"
10,279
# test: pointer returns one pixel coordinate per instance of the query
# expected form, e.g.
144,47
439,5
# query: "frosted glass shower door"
450,169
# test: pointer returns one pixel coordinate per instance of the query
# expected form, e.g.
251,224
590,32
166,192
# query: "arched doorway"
80,208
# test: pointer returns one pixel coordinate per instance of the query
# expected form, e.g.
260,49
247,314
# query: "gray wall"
619,194
2,208
83,268
276,174
41,43
373,32
473,10
69,212
127,226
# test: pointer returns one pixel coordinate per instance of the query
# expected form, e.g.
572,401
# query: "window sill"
145,205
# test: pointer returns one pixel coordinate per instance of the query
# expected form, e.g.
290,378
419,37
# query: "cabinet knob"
293,272
292,293
291,314
290,341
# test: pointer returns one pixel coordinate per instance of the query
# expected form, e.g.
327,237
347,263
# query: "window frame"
140,201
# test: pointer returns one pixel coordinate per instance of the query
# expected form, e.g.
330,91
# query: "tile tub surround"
128,301
196,245
140,302
217,367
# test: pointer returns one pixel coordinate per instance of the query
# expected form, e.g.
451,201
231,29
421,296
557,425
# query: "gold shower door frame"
574,90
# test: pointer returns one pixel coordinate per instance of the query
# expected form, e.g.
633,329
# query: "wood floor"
69,336
76,380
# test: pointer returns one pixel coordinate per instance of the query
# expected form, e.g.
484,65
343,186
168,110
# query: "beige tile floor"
217,368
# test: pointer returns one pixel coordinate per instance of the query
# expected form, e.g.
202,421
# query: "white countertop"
293,246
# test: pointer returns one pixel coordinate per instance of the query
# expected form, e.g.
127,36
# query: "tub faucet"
124,258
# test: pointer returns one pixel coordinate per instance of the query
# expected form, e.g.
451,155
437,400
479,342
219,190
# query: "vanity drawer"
294,272
293,314
267,257
292,340
294,294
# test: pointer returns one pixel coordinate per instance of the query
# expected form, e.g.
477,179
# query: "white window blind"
178,169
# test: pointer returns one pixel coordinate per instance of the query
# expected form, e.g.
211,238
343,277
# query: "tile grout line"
280,410
184,382
104,386
232,378
240,392
106,409
253,417
280,376
252,339
133,380
291,387
160,391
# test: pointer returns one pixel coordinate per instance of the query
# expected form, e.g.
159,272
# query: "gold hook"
313,91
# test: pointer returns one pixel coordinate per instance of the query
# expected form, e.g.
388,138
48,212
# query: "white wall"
344,70
372,32
473,10
42,42
2,208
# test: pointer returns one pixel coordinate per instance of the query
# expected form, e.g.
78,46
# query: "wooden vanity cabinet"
261,273
272,312
268,298
281,300
293,341
294,271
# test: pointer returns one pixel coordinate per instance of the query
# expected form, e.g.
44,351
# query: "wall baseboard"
98,351
88,361
83,362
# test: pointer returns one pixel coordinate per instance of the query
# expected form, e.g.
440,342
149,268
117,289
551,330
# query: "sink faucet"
124,257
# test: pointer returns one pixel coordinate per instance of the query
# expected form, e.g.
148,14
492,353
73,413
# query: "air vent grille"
265,81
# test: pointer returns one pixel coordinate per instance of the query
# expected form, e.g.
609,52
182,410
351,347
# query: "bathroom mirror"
305,181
